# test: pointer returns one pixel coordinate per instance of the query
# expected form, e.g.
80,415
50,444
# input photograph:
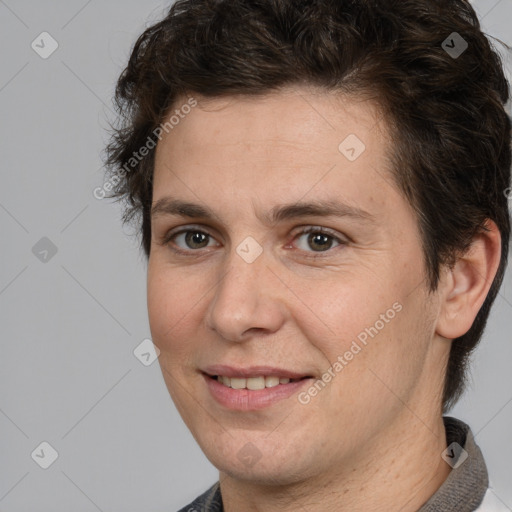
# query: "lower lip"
248,400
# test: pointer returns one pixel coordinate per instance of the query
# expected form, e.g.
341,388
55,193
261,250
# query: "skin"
372,438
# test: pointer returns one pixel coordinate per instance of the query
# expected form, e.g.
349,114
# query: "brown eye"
320,240
188,240
196,237
317,240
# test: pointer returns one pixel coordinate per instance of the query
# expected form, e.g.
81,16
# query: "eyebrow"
168,206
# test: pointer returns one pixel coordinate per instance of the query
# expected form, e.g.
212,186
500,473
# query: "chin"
260,467
269,476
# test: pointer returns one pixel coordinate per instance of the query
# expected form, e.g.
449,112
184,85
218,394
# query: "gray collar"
465,487
462,491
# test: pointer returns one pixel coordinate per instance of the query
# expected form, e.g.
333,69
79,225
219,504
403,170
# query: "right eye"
188,240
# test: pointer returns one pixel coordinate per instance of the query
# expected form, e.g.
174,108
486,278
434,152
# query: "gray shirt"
462,491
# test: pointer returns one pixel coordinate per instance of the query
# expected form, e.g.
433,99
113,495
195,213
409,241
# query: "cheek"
343,313
170,307
368,326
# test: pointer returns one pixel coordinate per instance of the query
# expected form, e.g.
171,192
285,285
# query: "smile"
252,393
253,383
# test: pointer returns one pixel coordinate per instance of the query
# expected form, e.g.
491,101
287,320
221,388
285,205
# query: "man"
321,188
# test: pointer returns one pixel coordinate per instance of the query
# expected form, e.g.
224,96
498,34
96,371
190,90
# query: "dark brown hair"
451,154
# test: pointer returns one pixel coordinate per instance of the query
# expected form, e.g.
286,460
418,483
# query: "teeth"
252,383
255,383
270,382
238,383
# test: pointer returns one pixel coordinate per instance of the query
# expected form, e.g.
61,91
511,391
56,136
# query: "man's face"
248,292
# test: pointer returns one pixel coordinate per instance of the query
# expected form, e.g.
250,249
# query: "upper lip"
251,371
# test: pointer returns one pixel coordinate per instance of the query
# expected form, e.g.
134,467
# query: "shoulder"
209,501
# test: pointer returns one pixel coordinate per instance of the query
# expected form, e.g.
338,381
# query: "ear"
465,286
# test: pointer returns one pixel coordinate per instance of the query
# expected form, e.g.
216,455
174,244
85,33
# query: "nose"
248,300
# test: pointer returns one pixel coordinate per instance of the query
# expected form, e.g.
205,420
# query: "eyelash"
310,229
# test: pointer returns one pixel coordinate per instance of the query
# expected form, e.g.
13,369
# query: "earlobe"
465,286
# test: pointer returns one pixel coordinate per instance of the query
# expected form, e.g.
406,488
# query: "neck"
400,470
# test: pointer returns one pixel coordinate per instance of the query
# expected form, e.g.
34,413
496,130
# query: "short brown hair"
451,154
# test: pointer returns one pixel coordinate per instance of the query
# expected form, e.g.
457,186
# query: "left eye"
318,239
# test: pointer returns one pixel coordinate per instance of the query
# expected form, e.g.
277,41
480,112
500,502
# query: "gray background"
69,325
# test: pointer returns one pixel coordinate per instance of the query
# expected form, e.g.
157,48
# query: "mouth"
254,383
254,388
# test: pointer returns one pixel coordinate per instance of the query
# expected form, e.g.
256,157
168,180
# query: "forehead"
303,116
290,143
